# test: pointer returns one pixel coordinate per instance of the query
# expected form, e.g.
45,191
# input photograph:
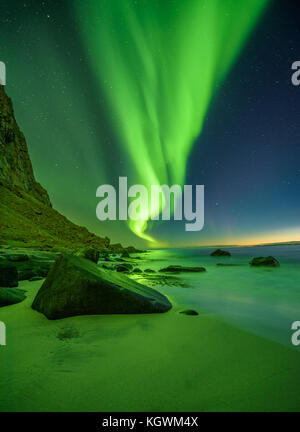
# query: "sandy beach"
157,362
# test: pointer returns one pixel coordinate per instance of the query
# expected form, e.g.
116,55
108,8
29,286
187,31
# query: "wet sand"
162,362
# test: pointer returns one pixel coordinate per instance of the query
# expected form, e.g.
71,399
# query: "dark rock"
105,266
8,275
17,257
131,249
75,286
117,247
220,253
125,254
189,312
178,268
11,296
90,254
137,270
26,274
32,268
149,270
35,278
124,267
265,261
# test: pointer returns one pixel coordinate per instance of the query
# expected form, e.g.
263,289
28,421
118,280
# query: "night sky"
162,91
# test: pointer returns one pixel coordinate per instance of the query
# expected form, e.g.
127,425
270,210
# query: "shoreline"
157,362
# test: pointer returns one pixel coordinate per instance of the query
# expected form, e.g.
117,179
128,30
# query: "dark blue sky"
248,155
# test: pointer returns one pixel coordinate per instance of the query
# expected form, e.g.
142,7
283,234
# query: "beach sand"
161,362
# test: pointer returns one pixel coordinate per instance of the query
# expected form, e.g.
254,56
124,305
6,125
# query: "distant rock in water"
178,268
76,286
8,275
220,253
265,261
189,312
89,253
10,296
227,265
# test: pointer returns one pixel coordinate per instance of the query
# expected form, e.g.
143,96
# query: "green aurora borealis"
159,64
168,92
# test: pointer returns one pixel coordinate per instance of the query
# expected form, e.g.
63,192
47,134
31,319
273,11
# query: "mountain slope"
26,214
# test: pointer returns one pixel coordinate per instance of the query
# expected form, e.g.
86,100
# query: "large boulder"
264,261
179,268
76,286
220,253
8,275
11,296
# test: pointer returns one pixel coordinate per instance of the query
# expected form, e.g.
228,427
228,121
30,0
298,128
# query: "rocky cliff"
27,218
16,171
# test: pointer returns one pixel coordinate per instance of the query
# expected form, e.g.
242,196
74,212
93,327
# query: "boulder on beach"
220,253
89,253
125,267
264,261
17,257
149,270
33,267
179,268
137,270
8,275
76,286
11,296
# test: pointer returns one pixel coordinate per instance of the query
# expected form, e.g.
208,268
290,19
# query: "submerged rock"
8,275
11,296
76,286
265,261
178,268
220,253
189,312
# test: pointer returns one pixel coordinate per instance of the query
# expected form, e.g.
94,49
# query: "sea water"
261,300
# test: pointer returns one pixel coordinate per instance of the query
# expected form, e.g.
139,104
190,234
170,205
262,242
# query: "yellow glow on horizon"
279,236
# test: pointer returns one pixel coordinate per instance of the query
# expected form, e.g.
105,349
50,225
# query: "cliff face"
16,171
27,218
